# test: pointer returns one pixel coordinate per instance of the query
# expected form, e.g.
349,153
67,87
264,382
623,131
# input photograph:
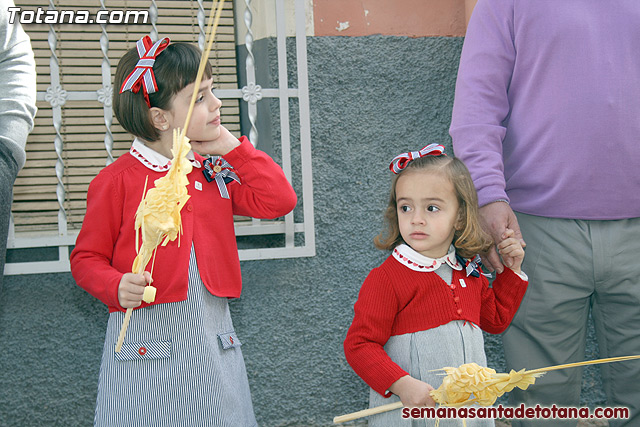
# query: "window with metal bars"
75,134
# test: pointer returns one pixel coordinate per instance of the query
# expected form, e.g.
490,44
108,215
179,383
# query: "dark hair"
469,238
174,69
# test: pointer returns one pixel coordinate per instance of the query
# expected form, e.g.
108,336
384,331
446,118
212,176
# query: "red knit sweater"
105,247
396,300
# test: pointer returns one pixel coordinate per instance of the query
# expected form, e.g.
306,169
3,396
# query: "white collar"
154,160
415,261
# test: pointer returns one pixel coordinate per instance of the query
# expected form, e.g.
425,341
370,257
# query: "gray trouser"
574,267
8,173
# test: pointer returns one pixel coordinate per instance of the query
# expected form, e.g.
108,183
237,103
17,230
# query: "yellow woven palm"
158,219
158,216
484,384
474,384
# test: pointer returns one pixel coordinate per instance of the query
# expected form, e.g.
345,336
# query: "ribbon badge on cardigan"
472,266
219,170
142,74
400,161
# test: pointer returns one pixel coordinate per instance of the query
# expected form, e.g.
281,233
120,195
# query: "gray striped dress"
451,344
180,365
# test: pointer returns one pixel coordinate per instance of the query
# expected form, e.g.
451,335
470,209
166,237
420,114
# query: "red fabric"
105,247
396,300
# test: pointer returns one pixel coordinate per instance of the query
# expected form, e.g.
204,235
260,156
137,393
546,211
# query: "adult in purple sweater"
547,119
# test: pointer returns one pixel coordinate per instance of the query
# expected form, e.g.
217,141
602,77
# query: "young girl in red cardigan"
181,363
425,306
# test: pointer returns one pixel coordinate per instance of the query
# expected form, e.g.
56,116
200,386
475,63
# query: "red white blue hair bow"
142,74
400,161
219,170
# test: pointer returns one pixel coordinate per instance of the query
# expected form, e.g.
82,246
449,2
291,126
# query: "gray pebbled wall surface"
371,98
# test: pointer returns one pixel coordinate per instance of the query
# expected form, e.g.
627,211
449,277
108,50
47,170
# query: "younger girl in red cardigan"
424,307
180,364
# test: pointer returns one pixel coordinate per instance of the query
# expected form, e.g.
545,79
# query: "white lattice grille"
75,134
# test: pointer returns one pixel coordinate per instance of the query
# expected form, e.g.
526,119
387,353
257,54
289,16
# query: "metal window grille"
75,135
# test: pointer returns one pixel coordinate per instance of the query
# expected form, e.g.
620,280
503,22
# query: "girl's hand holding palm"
413,392
131,289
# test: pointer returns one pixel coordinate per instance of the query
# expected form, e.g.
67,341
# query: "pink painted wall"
412,18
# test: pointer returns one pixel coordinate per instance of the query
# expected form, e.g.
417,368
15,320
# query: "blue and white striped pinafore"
180,365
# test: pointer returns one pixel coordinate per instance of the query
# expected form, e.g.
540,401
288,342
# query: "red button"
456,299
142,351
459,311
453,286
189,208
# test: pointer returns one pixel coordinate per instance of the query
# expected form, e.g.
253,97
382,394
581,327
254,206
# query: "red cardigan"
396,300
105,247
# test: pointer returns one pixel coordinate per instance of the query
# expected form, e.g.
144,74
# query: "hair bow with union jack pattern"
142,74
400,161
219,170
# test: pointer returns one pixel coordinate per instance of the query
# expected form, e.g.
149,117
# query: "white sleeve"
17,85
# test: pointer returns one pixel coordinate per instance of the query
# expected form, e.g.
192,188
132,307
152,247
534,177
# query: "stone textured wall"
371,98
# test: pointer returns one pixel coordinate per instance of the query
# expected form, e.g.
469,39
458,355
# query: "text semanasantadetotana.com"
518,412
40,15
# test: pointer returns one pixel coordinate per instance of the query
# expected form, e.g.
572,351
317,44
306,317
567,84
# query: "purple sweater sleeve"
481,102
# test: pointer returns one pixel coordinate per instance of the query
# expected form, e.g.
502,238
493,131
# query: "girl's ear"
159,118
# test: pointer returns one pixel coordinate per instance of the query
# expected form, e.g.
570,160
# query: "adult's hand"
495,219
